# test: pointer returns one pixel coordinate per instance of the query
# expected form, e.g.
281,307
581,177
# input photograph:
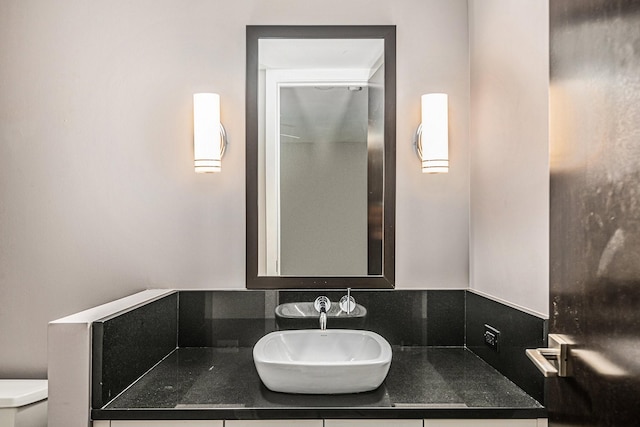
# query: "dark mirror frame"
254,34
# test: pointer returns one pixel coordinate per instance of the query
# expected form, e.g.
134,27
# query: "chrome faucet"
322,305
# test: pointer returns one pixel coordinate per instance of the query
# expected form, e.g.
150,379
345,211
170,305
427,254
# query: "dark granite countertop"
222,383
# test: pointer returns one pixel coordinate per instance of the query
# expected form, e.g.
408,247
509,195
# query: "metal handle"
558,352
347,302
321,303
541,362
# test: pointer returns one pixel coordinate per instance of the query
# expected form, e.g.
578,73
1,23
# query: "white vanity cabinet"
273,423
540,422
167,423
373,423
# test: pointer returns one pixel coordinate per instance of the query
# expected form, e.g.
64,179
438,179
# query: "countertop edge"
316,413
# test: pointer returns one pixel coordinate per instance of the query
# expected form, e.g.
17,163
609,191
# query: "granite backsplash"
211,318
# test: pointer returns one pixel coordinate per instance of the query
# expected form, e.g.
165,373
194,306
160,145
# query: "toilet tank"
23,403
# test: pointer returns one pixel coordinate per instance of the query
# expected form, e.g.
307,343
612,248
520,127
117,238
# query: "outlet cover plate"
492,337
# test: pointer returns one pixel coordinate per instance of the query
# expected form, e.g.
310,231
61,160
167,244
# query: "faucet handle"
347,304
322,302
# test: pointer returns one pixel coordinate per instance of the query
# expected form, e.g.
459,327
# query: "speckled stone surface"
222,383
518,331
127,345
428,317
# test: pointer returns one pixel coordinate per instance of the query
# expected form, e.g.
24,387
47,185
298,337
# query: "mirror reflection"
320,156
323,116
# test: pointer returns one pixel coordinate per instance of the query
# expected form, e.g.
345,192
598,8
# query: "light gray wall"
509,236
98,198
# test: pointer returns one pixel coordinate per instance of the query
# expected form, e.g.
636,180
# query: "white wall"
98,198
509,236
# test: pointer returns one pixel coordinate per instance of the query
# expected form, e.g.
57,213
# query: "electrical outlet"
491,337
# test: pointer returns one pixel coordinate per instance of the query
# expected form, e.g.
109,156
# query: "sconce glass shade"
433,136
208,142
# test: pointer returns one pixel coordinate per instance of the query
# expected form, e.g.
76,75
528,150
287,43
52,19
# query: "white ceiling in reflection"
320,53
323,114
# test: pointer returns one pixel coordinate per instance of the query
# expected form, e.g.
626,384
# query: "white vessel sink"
312,361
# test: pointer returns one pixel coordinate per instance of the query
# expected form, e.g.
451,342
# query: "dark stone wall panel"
518,331
125,346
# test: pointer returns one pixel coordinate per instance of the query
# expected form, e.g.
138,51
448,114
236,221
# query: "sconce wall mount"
209,136
431,139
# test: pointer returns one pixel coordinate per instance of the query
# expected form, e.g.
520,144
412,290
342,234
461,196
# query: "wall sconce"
431,140
209,136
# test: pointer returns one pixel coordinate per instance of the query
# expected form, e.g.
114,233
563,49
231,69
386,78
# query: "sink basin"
312,361
299,315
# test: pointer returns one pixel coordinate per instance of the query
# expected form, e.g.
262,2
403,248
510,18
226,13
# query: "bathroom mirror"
320,156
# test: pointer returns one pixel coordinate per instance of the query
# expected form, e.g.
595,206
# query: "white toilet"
23,403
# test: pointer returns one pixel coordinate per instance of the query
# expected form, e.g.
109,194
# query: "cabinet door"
168,423
372,423
481,423
273,423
